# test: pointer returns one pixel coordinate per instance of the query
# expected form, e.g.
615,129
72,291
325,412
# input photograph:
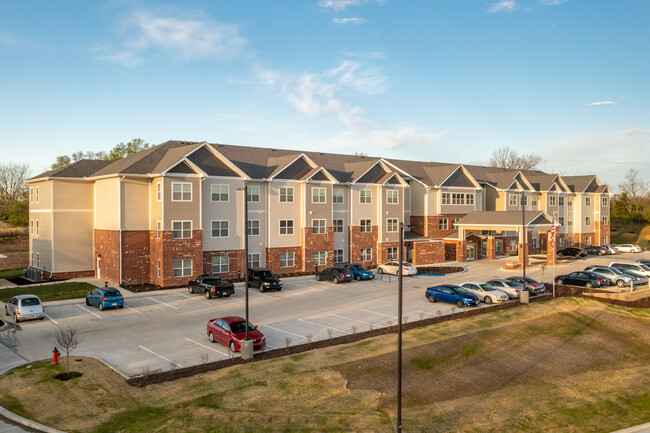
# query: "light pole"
523,236
399,327
553,231
246,343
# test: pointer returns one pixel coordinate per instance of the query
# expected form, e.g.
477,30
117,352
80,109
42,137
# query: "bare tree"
509,158
12,184
120,151
68,340
635,188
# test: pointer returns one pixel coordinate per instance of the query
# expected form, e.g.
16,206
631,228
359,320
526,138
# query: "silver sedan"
485,292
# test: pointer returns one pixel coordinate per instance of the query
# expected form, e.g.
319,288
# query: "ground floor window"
534,243
570,241
220,264
158,269
254,260
588,240
561,242
183,268
366,254
497,246
392,253
604,239
484,249
286,260
513,244
320,258
338,255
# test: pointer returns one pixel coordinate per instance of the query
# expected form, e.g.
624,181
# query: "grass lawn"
569,365
629,233
11,273
49,292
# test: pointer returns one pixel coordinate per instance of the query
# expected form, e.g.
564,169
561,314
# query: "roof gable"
374,174
206,160
459,179
593,186
296,170
182,168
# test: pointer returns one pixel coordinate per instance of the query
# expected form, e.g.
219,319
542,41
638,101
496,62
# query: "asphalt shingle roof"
509,218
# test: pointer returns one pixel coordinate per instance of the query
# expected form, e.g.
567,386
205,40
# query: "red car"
229,331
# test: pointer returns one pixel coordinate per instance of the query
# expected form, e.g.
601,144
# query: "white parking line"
203,345
349,318
131,308
88,311
375,312
323,326
54,321
160,356
286,332
256,293
194,299
164,303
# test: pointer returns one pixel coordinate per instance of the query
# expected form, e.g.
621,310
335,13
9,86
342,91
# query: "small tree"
68,340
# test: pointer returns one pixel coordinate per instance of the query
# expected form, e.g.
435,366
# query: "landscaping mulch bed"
439,270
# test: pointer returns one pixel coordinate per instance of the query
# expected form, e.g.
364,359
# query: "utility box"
524,296
247,349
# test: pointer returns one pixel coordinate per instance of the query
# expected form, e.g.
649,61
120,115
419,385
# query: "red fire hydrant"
55,356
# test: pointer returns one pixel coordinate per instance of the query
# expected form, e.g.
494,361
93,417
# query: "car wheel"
487,300
189,289
261,287
589,285
577,256
233,347
380,271
208,294
16,319
335,280
560,281
600,253
619,283
41,318
87,301
100,306
431,298
357,277
317,277
460,304
120,306
211,337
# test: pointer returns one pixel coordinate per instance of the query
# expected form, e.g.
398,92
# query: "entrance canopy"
501,221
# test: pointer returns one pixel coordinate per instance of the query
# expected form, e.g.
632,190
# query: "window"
512,200
183,268
569,203
220,229
38,260
604,202
220,264
366,254
158,268
587,201
453,223
182,229
219,192
524,200
513,244
534,201
253,194
551,200
588,240
366,226
338,255
392,196
286,227
560,201
365,196
497,246
32,258
318,226
391,225
36,194
570,242
561,220
286,260
320,258
31,200
561,242
37,228
254,260
469,198
286,195
604,240
318,195
569,221
31,227
338,226
604,219
253,227
457,198
181,192
534,245
158,191
587,221
391,253
337,195
446,198
158,229
442,224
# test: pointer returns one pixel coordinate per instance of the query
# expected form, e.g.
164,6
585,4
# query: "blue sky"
439,80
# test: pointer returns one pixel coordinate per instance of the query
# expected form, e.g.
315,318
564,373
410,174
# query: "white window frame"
287,194
443,225
338,225
158,268
219,193
512,199
182,230
318,195
31,227
365,196
254,258
392,253
604,201
319,226
38,228
561,242
287,228
392,225
534,243
587,221
469,199
588,239
339,255
453,223
498,245
365,225
569,221
319,258
392,196
561,221
158,229
603,220
219,229
220,267
182,192
446,198
366,254
158,191
183,269
31,199
253,229
337,195
250,195
288,260
587,201
560,201
37,195
552,200
38,260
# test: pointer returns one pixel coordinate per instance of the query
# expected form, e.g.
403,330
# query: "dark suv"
263,279
572,252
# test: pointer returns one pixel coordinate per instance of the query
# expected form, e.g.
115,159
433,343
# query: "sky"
430,80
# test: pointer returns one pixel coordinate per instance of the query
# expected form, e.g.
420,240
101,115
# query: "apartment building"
176,210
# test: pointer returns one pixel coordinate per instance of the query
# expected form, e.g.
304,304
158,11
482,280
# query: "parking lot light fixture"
246,344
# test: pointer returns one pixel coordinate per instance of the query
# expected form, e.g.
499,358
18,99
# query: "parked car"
531,285
644,261
452,294
359,272
485,292
572,252
596,250
336,275
263,279
637,280
393,268
25,307
106,297
615,277
512,288
231,330
211,285
611,249
628,248
637,268
581,278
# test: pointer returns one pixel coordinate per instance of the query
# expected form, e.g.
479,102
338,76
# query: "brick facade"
136,263
432,229
107,248
580,239
360,240
177,249
425,253
417,224
236,263
273,259
382,253
317,242
68,275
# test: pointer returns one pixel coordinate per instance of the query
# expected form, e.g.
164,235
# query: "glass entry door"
470,251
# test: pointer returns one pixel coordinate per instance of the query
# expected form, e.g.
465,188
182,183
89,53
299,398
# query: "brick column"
460,251
491,253
523,255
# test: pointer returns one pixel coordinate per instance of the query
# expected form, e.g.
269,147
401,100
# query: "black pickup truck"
211,285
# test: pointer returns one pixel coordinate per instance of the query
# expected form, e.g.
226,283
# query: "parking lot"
167,329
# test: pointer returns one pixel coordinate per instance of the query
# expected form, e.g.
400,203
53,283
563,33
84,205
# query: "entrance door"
470,251
484,249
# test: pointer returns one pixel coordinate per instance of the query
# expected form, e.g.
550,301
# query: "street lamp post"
523,237
246,343
399,327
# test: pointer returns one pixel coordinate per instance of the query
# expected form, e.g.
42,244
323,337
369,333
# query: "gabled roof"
374,174
503,218
319,174
79,169
578,183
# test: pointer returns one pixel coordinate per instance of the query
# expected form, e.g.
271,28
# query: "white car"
628,248
636,268
485,292
393,268
25,307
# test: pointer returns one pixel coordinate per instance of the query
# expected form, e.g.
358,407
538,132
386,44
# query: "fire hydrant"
55,356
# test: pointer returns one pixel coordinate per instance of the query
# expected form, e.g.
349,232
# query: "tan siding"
107,204
232,211
182,210
284,211
73,242
363,210
391,211
73,195
135,204
492,199
44,195
417,198
156,206
318,210
44,248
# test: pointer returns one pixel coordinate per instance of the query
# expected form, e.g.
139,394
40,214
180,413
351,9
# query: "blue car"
452,294
105,298
358,271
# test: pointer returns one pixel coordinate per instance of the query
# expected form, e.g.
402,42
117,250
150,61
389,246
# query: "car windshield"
359,267
212,280
406,264
238,327
644,267
460,290
616,271
267,274
512,283
112,293
29,302
487,287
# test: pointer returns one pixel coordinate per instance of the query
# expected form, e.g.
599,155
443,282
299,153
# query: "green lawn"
49,292
11,273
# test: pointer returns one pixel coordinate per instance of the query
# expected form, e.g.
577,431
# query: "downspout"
119,209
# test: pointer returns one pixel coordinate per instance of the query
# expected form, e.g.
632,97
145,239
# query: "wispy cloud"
553,2
505,5
339,5
356,21
185,38
596,104
403,136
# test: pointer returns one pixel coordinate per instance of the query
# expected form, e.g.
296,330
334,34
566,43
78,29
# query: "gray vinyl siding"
284,211
231,211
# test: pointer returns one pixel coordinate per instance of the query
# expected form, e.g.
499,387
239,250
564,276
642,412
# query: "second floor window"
442,224
587,221
587,201
253,227
337,195
551,200
512,199
318,195
158,191
446,198
391,253
392,196
604,219
469,198
219,192
569,222
181,192
391,225
457,198
338,226
182,229
253,194
286,227
365,196
286,195
561,201
604,202
318,226
561,220
366,226
220,229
